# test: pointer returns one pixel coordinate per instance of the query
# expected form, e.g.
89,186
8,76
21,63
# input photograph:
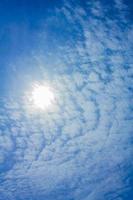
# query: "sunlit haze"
42,96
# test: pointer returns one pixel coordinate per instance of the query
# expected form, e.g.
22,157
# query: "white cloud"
85,142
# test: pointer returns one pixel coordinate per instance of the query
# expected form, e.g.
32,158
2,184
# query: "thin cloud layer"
82,149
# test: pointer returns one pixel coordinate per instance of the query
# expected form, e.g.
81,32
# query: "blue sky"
81,147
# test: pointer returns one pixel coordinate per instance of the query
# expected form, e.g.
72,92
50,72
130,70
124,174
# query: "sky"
81,147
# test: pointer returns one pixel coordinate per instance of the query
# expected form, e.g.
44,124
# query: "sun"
42,96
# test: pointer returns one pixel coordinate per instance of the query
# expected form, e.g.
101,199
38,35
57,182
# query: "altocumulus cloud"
80,150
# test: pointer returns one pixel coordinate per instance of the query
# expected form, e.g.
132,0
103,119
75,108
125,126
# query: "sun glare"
42,96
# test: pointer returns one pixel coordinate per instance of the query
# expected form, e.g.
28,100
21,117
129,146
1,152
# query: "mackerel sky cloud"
80,148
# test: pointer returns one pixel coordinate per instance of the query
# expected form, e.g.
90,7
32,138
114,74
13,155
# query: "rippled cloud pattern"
82,149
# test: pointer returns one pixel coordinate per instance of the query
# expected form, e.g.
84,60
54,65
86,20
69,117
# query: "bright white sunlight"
42,96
